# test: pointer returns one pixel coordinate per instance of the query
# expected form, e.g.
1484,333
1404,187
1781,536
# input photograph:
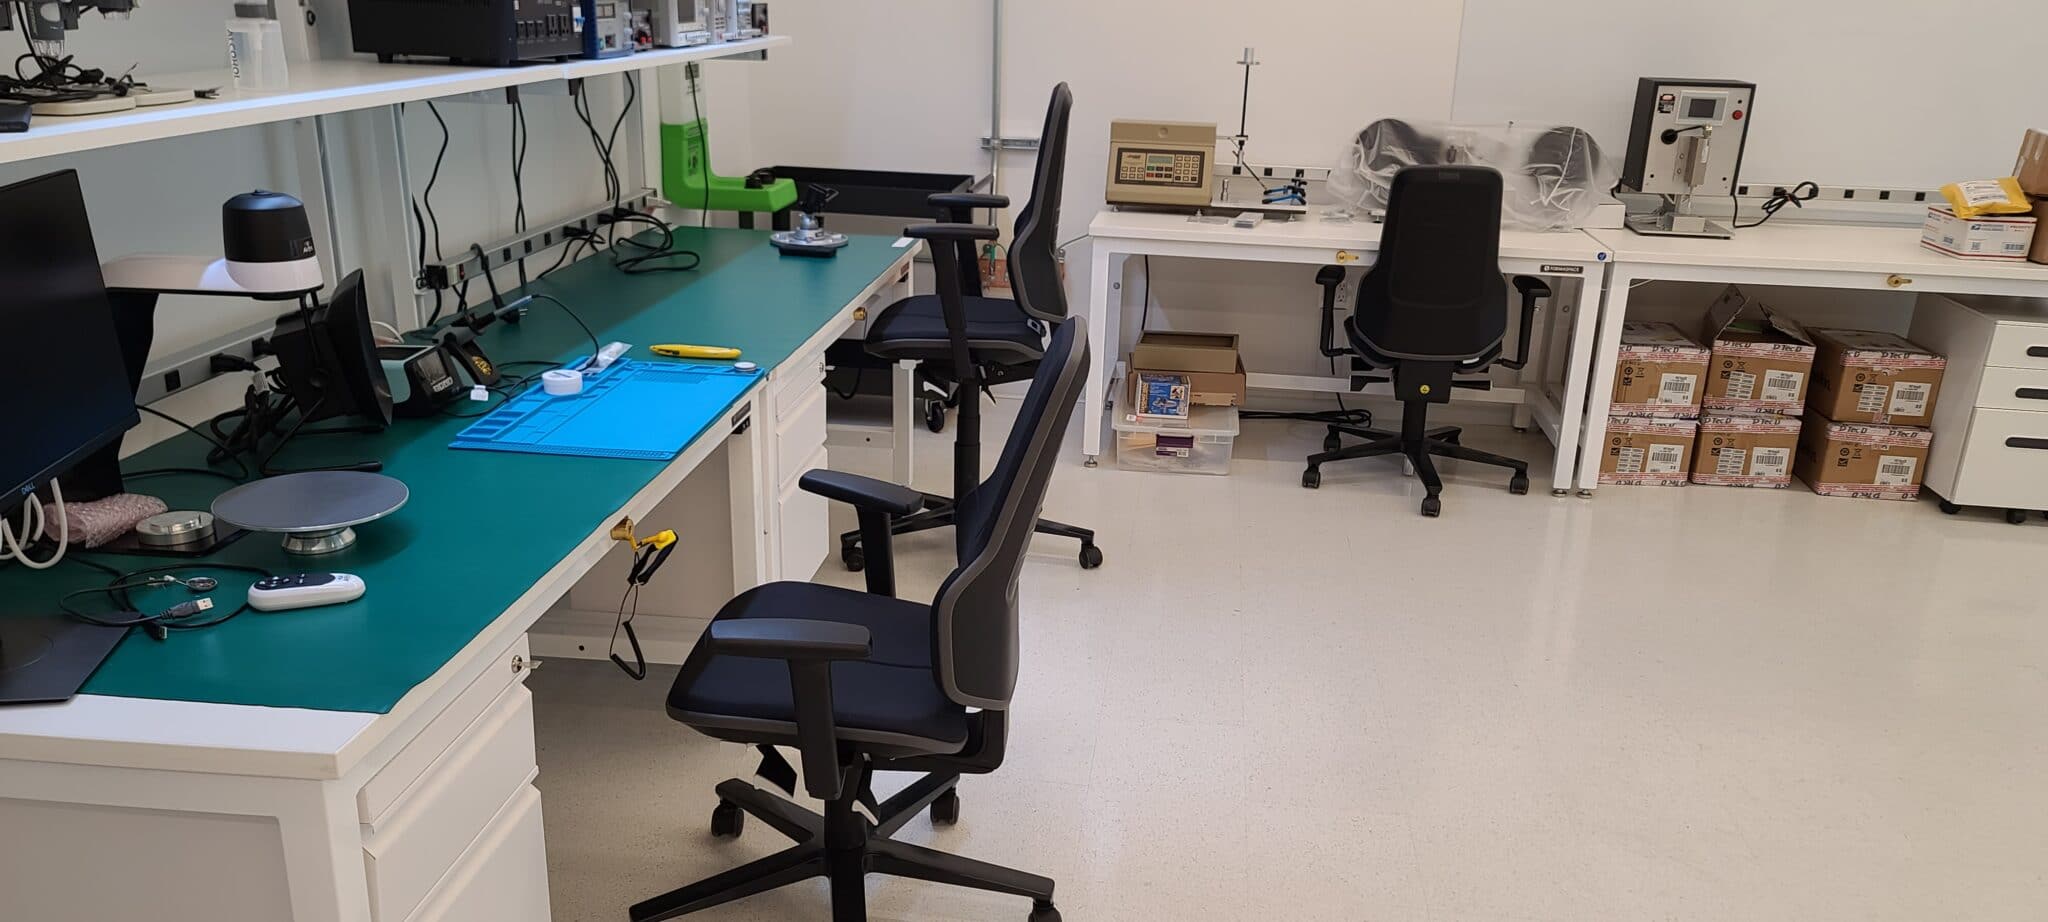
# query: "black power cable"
1797,195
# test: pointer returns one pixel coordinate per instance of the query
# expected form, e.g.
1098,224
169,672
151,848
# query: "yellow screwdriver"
680,351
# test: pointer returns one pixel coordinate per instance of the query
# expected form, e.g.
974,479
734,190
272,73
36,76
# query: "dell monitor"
57,333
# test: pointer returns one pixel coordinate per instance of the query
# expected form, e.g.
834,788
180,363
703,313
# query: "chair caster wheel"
1091,557
1311,478
853,557
935,415
946,810
1432,507
727,820
1949,508
2016,516
1332,443
1519,485
1044,912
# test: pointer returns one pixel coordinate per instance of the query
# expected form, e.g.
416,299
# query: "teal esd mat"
645,411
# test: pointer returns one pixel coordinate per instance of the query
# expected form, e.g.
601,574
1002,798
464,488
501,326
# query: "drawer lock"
522,664
1897,281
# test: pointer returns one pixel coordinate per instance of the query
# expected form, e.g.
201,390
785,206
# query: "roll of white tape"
562,382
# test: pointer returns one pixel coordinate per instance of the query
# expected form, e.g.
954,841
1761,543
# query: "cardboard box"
1745,450
1862,459
1208,360
1210,352
1991,237
1647,450
1862,376
1760,362
2039,253
1658,372
2031,169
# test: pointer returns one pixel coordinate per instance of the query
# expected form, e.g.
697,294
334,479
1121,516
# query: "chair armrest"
1533,290
952,200
809,647
797,639
1531,285
951,232
862,492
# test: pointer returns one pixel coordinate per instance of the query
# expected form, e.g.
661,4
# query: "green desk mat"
481,527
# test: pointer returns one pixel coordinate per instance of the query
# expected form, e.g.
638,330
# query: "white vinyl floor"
1279,704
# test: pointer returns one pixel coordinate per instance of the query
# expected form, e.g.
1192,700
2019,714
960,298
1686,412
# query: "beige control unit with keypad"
1161,164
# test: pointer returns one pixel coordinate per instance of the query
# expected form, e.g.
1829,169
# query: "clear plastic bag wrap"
1552,175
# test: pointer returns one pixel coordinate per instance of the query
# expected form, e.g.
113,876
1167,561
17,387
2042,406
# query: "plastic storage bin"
1199,446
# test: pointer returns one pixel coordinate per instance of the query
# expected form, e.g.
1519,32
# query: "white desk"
1553,386
1805,255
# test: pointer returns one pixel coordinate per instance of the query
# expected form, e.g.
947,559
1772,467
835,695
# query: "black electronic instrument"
496,33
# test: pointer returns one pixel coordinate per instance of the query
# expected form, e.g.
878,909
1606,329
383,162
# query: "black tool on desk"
810,238
422,379
59,331
14,116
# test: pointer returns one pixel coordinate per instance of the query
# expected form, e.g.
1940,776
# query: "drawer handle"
2024,442
2032,393
2038,352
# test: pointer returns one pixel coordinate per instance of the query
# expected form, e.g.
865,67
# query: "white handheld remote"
304,590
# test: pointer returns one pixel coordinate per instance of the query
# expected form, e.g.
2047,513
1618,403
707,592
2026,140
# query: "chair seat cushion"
914,328
891,699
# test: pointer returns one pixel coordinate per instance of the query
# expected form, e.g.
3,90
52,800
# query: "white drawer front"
503,877
2006,461
799,434
2014,389
451,807
2019,345
390,783
796,378
803,523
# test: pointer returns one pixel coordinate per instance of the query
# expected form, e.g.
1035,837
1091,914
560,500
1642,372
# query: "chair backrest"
1436,293
1034,244
974,615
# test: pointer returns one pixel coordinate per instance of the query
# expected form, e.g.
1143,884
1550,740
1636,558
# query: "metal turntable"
314,510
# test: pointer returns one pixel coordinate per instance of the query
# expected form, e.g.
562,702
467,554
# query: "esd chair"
1432,307
1005,336
863,682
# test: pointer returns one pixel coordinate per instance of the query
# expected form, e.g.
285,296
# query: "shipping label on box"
1647,451
1865,376
2001,238
1867,460
1658,372
1745,450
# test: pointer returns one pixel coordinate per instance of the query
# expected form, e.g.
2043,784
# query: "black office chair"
1006,338
865,682
1432,306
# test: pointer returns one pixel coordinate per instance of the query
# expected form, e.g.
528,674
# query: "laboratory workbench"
1550,390
1837,256
384,748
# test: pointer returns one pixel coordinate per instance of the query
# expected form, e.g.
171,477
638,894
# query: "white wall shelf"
324,87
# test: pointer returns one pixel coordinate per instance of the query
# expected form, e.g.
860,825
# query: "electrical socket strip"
1279,173
1860,195
454,271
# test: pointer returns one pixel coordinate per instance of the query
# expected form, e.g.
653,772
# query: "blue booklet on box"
1163,395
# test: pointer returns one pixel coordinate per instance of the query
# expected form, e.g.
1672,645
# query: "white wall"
1864,93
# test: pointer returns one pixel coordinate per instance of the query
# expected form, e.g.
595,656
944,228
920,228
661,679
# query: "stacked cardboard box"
1758,370
2032,172
1655,407
1872,399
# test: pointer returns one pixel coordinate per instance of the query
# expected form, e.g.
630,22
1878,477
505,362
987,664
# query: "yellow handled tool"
680,351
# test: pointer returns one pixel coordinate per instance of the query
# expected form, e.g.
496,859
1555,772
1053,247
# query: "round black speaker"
265,227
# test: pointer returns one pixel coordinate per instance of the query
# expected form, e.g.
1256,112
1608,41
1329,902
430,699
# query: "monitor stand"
45,659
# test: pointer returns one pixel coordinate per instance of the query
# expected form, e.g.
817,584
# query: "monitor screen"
71,393
1703,107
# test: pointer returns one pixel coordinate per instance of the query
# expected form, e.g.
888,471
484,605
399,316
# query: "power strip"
1861,195
457,270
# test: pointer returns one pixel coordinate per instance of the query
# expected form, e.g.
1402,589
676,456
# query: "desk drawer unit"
413,763
1991,430
421,839
805,520
503,877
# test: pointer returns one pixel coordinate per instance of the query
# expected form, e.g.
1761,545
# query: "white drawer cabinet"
1991,425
